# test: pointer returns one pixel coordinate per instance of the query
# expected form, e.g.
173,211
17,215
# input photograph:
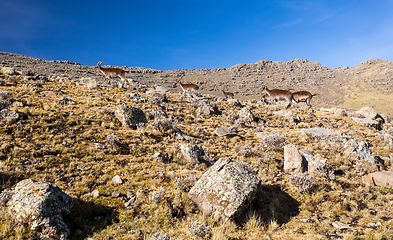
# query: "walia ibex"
277,94
303,96
228,94
187,86
108,71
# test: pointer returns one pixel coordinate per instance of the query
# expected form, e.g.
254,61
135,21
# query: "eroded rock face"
130,116
41,205
226,189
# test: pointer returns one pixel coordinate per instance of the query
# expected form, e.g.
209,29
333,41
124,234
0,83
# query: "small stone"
340,225
116,180
96,193
228,132
116,194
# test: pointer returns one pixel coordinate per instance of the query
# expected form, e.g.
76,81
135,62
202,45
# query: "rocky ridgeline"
228,187
245,80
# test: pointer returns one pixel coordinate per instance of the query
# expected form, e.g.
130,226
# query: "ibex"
108,71
228,94
303,96
187,86
277,94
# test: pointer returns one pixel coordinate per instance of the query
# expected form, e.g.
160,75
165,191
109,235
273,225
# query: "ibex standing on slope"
303,96
108,71
277,94
187,86
228,94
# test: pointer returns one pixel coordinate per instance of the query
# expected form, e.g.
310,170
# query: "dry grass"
52,140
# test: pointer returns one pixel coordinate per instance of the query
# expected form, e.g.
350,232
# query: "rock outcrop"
226,189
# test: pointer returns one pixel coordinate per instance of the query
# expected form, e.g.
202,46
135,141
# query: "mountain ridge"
366,84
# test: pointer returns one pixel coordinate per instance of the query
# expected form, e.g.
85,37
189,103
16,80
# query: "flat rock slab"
321,133
226,189
226,132
383,178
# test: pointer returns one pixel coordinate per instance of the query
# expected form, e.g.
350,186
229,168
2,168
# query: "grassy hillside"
67,134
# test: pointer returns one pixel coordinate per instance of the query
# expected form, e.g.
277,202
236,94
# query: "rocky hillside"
367,84
82,157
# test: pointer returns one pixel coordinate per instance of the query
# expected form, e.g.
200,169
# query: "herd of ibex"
271,95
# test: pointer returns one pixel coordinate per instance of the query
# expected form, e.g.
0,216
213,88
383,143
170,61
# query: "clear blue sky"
194,34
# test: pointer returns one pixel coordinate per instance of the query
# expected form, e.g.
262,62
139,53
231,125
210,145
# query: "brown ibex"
277,94
303,96
108,71
228,94
187,86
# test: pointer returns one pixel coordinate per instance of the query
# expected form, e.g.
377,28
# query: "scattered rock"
303,181
321,133
246,114
367,112
8,70
179,135
340,225
116,180
159,157
369,117
9,116
359,151
116,194
161,236
41,205
374,124
293,160
196,154
200,230
5,196
228,132
136,98
65,101
226,189
93,85
130,116
95,194
157,196
206,108
383,178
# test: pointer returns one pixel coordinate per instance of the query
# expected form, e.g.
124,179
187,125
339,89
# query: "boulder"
8,115
41,205
293,160
367,112
246,114
130,116
225,190
383,178
370,123
196,154
8,70
359,151
206,108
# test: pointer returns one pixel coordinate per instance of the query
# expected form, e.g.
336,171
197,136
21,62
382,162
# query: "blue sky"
195,34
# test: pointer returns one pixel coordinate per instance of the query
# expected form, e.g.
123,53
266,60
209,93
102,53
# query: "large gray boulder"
226,189
41,205
359,151
130,116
